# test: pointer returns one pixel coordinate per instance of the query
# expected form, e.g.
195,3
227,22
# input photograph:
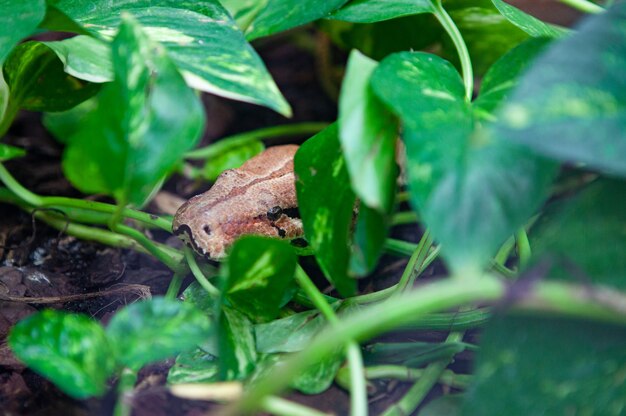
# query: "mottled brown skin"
257,198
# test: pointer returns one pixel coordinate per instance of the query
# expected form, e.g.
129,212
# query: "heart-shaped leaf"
472,188
153,330
145,121
84,57
71,350
579,114
199,36
326,204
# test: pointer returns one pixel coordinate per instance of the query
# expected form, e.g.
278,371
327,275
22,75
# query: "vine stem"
197,273
454,33
415,264
584,6
128,378
358,388
260,134
523,247
556,297
418,391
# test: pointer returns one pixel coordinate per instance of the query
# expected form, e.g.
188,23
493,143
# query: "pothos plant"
535,253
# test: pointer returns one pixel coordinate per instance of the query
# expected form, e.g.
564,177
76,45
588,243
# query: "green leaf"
259,277
318,377
549,366
38,82
379,39
584,238
280,15
18,20
313,380
144,123
10,152
487,34
289,334
529,24
472,188
410,354
370,11
446,405
153,330
326,204
578,114
370,234
368,136
244,11
195,366
199,36
230,158
237,353
84,57
502,77
65,124
71,350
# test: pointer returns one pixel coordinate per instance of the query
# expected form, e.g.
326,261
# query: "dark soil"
39,262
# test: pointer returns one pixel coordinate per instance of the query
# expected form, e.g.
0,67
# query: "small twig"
142,292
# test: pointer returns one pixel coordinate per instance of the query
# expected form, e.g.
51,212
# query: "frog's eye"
274,213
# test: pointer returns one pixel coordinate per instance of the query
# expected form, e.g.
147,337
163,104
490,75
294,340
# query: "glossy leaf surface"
583,237
150,331
280,15
144,122
230,157
71,350
37,81
199,36
326,205
84,57
237,353
259,277
529,24
370,11
18,20
531,366
472,188
577,115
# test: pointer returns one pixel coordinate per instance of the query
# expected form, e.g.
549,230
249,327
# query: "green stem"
418,391
17,188
162,255
398,372
149,219
175,284
523,247
125,387
358,390
584,6
197,273
415,264
300,129
555,297
404,217
281,407
464,57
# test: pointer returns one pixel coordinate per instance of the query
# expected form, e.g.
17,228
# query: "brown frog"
257,198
